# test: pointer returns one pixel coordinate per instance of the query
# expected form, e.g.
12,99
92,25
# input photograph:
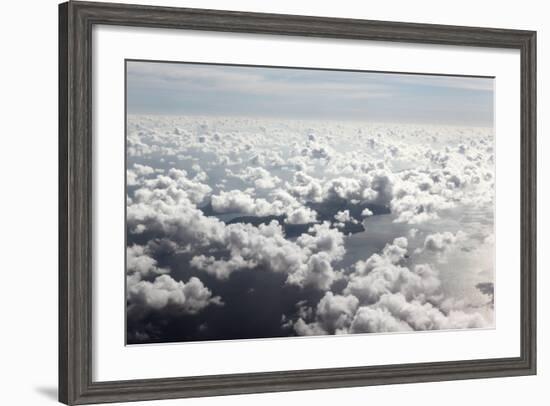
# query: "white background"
28,168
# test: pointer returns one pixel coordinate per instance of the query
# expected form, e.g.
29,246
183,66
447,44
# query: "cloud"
134,176
143,170
167,211
374,187
138,261
304,329
334,313
236,201
376,320
343,216
425,316
323,238
306,187
301,215
442,242
221,268
172,188
317,272
280,203
306,173
189,298
260,178
383,295
418,207
366,213
315,150
382,273
307,261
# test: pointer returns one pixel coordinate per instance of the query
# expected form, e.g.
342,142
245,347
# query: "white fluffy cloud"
383,273
334,314
301,215
221,268
163,290
415,207
137,173
260,178
307,261
366,213
307,187
189,298
442,242
237,201
384,295
343,216
281,202
261,167
138,261
174,216
376,320
174,187
374,186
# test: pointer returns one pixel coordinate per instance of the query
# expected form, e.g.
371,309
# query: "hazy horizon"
174,88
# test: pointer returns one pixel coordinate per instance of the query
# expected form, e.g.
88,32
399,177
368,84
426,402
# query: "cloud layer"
347,227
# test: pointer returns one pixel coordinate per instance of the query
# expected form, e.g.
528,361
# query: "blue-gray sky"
197,89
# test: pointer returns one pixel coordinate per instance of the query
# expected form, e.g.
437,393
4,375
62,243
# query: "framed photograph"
257,202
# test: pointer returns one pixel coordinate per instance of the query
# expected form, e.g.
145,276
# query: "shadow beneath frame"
49,392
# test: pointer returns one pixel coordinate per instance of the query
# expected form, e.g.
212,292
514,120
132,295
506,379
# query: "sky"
168,88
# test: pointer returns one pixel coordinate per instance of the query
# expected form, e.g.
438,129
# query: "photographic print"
266,202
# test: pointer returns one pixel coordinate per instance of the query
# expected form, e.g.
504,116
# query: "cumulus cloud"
237,201
384,273
394,313
366,213
306,187
190,178
152,288
260,178
307,261
166,212
334,313
135,175
301,215
170,214
418,207
280,203
189,298
376,320
344,217
172,187
384,295
138,261
221,268
442,242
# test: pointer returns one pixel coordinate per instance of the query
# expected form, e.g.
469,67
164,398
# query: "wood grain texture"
63,365
75,201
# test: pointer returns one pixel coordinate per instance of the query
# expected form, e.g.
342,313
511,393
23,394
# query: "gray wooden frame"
76,20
